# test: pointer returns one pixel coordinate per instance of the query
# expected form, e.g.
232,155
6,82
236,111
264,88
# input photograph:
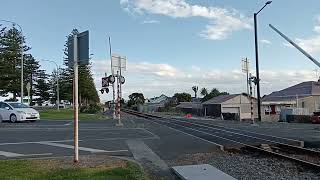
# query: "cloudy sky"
172,45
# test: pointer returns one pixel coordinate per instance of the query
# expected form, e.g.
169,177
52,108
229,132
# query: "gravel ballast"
248,166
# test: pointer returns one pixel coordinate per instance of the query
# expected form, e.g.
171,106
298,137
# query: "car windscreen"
18,105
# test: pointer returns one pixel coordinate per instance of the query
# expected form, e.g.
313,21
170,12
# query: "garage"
231,106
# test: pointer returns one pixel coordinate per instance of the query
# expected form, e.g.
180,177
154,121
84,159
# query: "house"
305,95
194,108
155,104
233,106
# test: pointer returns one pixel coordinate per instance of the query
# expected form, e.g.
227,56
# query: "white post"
251,100
113,89
22,72
58,95
118,100
75,98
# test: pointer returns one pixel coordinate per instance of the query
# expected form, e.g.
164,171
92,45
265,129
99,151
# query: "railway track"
228,138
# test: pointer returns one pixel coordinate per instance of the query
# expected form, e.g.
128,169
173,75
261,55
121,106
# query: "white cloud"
222,21
317,26
155,79
265,41
150,22
286,44
311,44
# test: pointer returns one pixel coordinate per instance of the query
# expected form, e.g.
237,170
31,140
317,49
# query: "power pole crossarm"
296,46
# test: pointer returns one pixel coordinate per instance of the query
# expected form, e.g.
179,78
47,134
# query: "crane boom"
296,46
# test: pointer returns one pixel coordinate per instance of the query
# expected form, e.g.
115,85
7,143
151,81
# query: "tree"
214,93
195,89
42,88
204,92
135,99
11,43
31,73
182,97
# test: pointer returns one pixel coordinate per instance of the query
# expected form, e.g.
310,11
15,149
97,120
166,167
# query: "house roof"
220,99
304,89
159,99
189,105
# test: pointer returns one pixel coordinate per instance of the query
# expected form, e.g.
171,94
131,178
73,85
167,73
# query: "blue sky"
171,45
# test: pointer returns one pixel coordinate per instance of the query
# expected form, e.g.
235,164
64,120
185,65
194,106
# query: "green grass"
67,114
49,170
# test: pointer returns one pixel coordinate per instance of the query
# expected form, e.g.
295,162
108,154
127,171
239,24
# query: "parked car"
315,118
15,111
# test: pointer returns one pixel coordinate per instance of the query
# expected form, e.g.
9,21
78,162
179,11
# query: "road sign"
105,82
118,62
111,79
83,49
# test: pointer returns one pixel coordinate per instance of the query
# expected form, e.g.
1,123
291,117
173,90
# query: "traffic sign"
105,82
83,49
112,79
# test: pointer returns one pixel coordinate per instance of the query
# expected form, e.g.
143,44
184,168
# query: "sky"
172,45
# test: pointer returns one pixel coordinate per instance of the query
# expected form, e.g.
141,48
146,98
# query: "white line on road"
10,154
32,142
80,148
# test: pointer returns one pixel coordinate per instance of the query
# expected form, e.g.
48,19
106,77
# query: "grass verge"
67,114
51,170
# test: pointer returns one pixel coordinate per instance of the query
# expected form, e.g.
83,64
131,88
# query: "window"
302,104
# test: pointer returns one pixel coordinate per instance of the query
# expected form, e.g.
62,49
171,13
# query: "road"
48,138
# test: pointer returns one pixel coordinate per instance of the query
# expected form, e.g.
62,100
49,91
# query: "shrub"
91,109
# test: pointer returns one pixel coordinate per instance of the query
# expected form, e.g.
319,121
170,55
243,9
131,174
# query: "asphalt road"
48,138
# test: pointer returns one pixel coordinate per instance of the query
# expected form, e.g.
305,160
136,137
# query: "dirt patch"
85,161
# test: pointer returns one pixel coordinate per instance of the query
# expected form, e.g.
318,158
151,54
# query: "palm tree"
204,92
195,89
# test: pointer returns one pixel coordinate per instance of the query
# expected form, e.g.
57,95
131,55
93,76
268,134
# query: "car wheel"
13,118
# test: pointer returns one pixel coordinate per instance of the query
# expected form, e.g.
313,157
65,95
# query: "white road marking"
10,154
142,152
80,148
32,142
156,136
42,154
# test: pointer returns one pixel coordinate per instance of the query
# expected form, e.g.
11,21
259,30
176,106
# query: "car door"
5,113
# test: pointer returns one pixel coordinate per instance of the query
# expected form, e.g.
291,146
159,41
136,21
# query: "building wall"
312,103
243,102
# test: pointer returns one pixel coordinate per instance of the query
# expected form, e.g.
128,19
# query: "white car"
14,111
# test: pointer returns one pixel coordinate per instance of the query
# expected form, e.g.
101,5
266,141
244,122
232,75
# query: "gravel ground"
248,166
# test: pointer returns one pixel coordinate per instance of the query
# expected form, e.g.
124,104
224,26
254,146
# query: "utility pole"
75,98
245,69
257,58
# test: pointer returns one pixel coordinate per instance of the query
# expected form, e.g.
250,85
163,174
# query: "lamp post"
257,59
58,100
13,23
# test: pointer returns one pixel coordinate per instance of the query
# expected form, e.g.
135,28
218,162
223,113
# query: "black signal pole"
257,59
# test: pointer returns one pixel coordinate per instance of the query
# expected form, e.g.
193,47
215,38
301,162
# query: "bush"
91,109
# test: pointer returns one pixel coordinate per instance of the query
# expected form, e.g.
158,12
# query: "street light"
58,100
13,23
257,59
